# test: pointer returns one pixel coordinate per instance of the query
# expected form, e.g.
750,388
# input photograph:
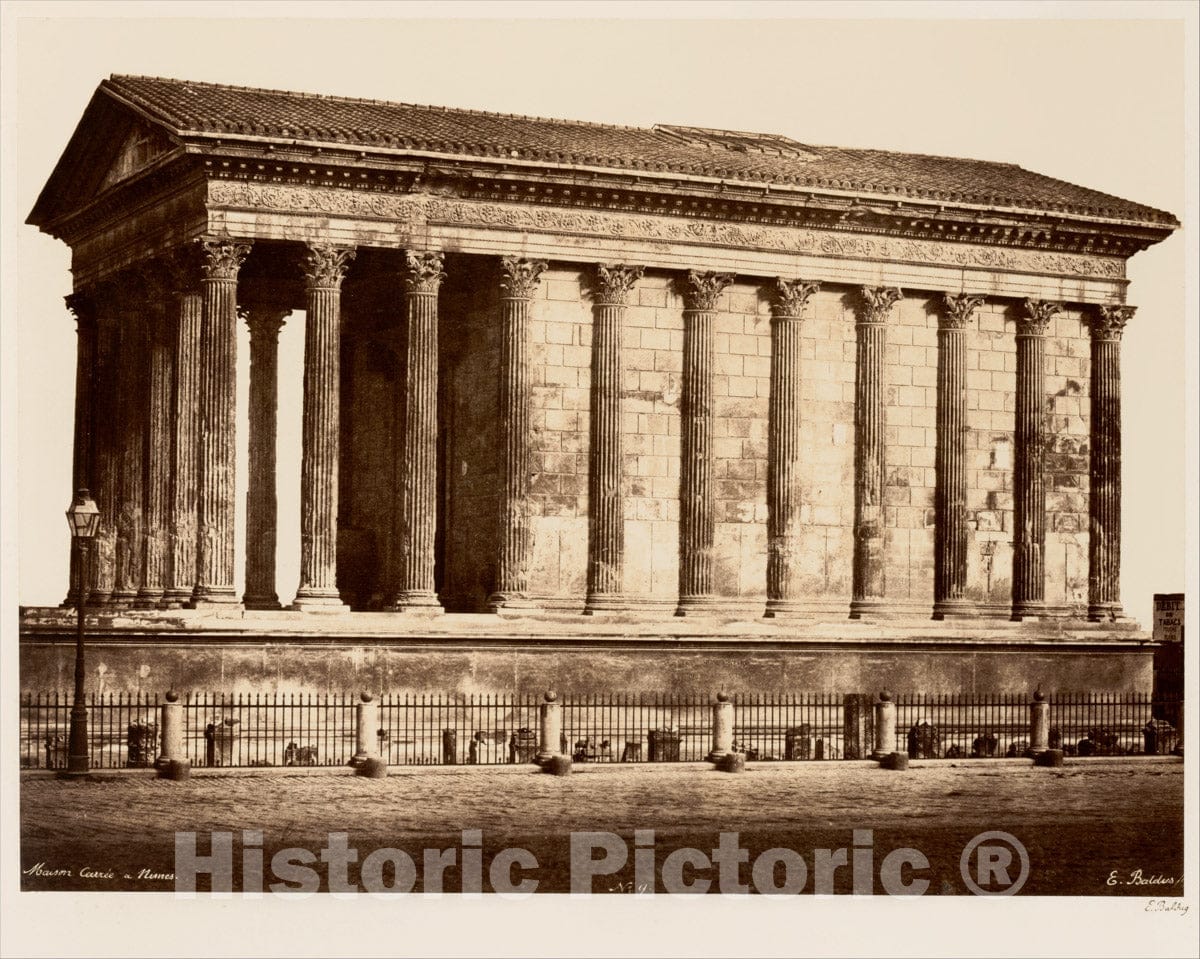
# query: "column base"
416,602
872,609
123,598
319,601
510,602
716,755
702,605
1028,612
148,599
267,603
176,598
605,603
1105,613
954,609
225,596
97,598
783,609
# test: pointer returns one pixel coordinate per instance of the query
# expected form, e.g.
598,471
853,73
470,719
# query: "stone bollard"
894,760
1039,724
367,716
722,729
885,726
557,765
732,763
551,729
1049,757
171,762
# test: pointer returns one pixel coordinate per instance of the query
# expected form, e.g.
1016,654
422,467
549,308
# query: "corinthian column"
182,521
107,451
518,281
216,506
1104,507
158,451
1029,507
319,440
783,444
606,512
132,417
418,458
871,335
950,495
697,521
264,323
83,308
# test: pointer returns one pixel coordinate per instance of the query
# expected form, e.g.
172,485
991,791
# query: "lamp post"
83,516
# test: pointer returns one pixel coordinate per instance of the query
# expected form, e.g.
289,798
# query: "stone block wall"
652,332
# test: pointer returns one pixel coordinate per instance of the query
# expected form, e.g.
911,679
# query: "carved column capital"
82,304
263,321
223,257
615,282
519,278
957,310
1035,317
325,266
876,303
423,272
700,291
1108,322
790,298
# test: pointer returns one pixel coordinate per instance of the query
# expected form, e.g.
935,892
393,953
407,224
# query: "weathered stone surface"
950,497
869,445
217,457
696,488
422,278
264,323
518,284
1104,553
326,267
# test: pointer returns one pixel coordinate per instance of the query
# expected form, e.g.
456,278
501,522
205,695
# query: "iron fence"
321,730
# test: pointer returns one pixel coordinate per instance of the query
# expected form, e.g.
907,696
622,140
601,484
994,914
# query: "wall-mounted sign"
1168,617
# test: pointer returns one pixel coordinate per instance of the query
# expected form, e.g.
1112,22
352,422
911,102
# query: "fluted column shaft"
1029,504
320,431
869,448
216,506
519,279
155,541
264,324
182,522
133,419
697,505
783,445
606,504
950,494
83,307
418,456
107,451
1104,507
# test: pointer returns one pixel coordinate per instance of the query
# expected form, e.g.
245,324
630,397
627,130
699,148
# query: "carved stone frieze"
415,209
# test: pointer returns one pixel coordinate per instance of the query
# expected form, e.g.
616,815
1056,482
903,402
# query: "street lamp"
83,517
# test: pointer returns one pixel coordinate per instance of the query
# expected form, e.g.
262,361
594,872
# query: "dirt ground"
1090,828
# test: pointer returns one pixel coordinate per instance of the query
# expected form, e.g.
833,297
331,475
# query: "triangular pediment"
112,144
143,145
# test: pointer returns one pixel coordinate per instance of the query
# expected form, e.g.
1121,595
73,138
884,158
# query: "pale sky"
1096,103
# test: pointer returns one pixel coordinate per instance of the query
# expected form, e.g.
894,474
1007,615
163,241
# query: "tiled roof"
206,108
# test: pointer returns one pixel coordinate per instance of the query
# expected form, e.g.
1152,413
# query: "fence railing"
322,730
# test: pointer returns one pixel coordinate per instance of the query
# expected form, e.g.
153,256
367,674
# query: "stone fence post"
550,714
1039,723
172,730
885,726
722,728
367,722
